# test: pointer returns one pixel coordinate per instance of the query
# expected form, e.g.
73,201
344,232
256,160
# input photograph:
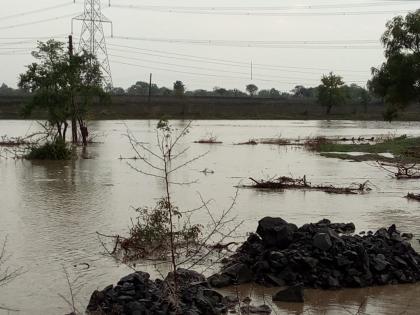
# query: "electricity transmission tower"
92,38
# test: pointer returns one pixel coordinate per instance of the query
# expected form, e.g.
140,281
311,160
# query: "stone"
333,282
239,273
278,281
380,263
276,232
214,296
250,309
220,280
322,241
292,294
407,236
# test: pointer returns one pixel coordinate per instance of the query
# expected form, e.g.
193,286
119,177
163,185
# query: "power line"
263,8
36,22
285,14
339,44
147,66
36,11
227,62
202,68
242,66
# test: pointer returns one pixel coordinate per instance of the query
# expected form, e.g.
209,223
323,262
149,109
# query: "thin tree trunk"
83,131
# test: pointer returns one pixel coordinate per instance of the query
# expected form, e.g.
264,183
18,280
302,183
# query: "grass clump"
401,147
358,158
55,150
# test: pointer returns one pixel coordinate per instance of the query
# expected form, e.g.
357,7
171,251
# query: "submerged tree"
397,80
329,92
63,85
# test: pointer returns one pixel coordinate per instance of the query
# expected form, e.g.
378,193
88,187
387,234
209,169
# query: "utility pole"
252,71
92,37
150,87
73,104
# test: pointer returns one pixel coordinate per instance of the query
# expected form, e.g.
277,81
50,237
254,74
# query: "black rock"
239,273
276,232
220,280
379,263
292,294
322,241
250,309
275,280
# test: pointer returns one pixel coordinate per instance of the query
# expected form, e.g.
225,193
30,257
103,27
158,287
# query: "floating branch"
401,170
284,182
5,141
412,196
249,142
211,140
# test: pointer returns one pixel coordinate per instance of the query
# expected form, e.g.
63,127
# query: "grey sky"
353,64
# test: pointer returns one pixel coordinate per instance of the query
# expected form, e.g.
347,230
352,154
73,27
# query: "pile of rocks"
136,294
321,255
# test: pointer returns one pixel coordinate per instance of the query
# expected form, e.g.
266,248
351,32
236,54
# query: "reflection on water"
385,300
51,211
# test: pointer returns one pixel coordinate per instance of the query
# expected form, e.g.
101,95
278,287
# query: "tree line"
395,83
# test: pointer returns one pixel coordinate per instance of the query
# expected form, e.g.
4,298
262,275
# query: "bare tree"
165,227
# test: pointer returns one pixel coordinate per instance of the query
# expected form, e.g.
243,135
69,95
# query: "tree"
330,93
220,91
251,89
139,88
63,85
117,91
397,80
273,93
164,91
301,91
179,88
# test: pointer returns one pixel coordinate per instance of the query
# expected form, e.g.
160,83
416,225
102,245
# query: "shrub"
56,150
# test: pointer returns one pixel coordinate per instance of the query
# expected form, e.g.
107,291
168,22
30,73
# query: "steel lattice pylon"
92,38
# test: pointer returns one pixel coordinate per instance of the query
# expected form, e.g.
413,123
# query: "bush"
57,150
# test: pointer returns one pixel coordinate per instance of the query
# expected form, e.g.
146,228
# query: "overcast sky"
287,67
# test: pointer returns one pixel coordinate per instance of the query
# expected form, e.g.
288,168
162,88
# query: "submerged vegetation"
402,148
150,233
51,150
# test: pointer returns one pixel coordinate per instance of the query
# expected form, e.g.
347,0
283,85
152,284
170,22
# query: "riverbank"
140,107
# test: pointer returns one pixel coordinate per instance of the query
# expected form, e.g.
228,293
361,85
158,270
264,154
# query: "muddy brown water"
50,211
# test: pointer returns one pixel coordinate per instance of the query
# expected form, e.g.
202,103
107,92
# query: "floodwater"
51,211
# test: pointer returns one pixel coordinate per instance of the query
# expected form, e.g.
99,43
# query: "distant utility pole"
92,38
150,87
252,70
73,104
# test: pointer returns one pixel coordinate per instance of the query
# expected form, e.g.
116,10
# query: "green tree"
117,91
139,88
220,91
251,89
64,86
329,92
179,88
301,91
396,81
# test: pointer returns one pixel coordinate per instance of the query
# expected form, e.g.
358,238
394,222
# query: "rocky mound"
320,255
137,294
